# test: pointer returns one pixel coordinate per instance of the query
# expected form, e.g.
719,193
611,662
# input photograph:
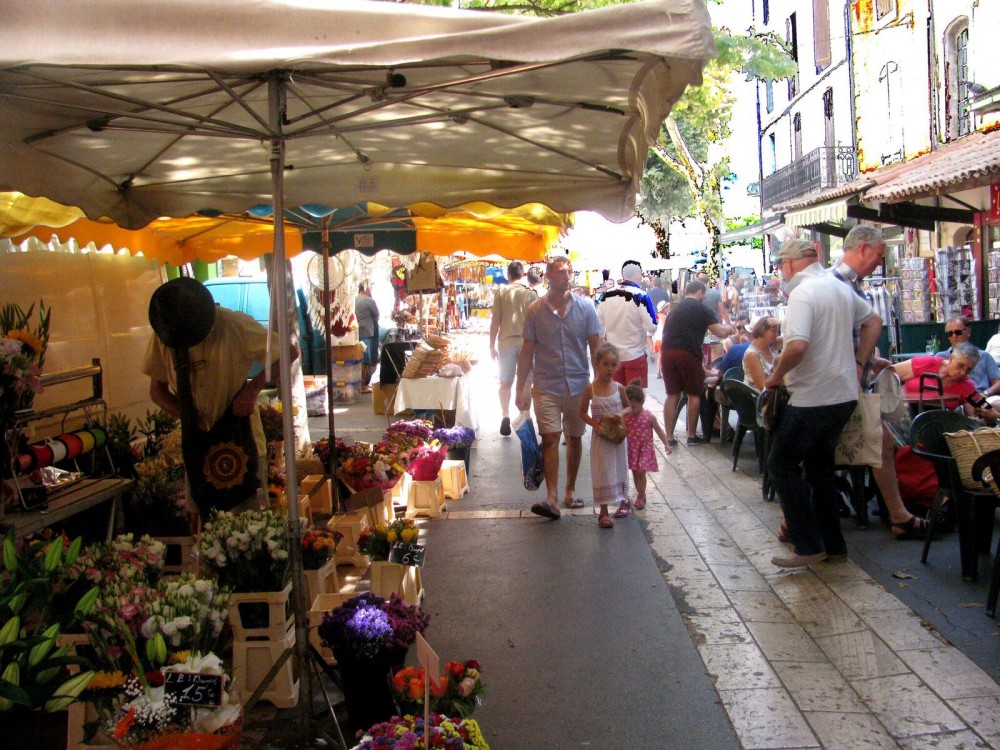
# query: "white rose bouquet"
247,552
190,614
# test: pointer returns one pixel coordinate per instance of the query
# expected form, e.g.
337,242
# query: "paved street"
674,629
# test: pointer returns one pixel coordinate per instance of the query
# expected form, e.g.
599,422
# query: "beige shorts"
557,413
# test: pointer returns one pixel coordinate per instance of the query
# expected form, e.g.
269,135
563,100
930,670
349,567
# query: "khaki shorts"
557,413
507,358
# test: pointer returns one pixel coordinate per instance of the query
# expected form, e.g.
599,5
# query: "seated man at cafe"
986,374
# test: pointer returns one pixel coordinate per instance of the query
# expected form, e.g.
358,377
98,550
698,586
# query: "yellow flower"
104,680
391,535
28,339
179,657
409,535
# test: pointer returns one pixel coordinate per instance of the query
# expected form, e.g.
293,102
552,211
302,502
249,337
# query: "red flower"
439,687
473,664
122,727
155,679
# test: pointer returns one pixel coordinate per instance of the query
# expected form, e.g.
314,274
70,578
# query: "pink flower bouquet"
425,463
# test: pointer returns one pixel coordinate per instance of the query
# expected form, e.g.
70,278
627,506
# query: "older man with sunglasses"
986,374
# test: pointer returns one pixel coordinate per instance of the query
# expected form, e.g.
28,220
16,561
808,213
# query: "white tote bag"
860,443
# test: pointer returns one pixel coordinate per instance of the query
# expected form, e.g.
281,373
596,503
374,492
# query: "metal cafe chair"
990,460
927,439
744,400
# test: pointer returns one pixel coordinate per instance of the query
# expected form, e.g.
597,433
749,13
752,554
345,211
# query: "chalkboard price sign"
405,553
192,689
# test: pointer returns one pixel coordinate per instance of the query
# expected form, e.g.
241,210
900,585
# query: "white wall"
99,308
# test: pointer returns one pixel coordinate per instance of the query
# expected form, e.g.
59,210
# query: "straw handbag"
612,429
968,445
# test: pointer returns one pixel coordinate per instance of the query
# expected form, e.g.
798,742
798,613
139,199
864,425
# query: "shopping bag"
860,443
773,406
531,454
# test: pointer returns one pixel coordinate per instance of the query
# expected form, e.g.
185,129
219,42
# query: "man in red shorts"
683,333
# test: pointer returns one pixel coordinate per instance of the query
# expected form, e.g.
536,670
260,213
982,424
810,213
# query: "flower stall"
248,552
370,635
385,577
35,663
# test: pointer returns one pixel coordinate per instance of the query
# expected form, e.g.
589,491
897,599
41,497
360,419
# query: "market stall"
333,114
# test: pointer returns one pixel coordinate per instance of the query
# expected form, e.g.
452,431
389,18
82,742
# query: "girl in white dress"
604,400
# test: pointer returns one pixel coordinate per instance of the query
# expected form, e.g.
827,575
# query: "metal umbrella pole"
331,420
276,107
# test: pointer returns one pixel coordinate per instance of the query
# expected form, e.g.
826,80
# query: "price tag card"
427,657
405,553
192,689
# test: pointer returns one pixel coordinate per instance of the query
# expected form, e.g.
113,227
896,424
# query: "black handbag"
772,406
221,464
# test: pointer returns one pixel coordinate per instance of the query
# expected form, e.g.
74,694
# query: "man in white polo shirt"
822,372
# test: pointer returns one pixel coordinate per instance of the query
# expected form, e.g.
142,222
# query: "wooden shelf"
66,503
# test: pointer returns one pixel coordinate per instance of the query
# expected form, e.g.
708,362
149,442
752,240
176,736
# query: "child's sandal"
605,522
640,503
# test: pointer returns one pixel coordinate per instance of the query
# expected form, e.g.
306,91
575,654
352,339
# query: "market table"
437,393
66,503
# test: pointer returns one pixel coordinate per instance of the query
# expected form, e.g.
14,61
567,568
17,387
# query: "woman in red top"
954,374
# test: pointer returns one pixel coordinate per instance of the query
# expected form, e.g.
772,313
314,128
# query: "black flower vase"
461,453
367,694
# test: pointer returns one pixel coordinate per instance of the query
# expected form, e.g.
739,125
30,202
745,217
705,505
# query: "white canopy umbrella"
155,108
165,107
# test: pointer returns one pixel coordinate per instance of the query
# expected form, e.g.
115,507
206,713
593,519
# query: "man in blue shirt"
986,374
561,333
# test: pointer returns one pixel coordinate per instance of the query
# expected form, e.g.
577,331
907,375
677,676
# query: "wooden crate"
426,499
350,525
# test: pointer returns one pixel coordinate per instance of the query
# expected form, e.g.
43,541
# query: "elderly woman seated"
958,390
762,354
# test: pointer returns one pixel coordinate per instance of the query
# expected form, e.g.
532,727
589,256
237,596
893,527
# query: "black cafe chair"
766,486
990,460
928,441
744,399
733,373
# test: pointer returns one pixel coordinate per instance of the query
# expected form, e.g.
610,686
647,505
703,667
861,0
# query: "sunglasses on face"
956,332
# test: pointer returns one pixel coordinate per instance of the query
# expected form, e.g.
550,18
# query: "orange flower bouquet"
454,693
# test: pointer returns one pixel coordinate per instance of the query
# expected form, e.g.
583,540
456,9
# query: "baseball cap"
794,250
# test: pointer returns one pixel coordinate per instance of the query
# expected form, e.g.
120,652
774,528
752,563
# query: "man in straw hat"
198,363
822,373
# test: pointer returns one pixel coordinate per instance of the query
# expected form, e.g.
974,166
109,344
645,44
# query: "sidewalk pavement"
674,629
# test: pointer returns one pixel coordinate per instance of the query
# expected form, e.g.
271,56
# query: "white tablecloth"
437,393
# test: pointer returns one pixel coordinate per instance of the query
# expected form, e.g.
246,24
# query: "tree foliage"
686,167
690,140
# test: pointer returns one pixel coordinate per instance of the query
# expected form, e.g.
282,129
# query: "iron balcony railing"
822,168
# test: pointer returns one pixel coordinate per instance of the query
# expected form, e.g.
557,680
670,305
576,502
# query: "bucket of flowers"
408,732
133,630
318,549
171,715
368,635
387,577
425,463
458,440
376,541
22,354
249,555
455,693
